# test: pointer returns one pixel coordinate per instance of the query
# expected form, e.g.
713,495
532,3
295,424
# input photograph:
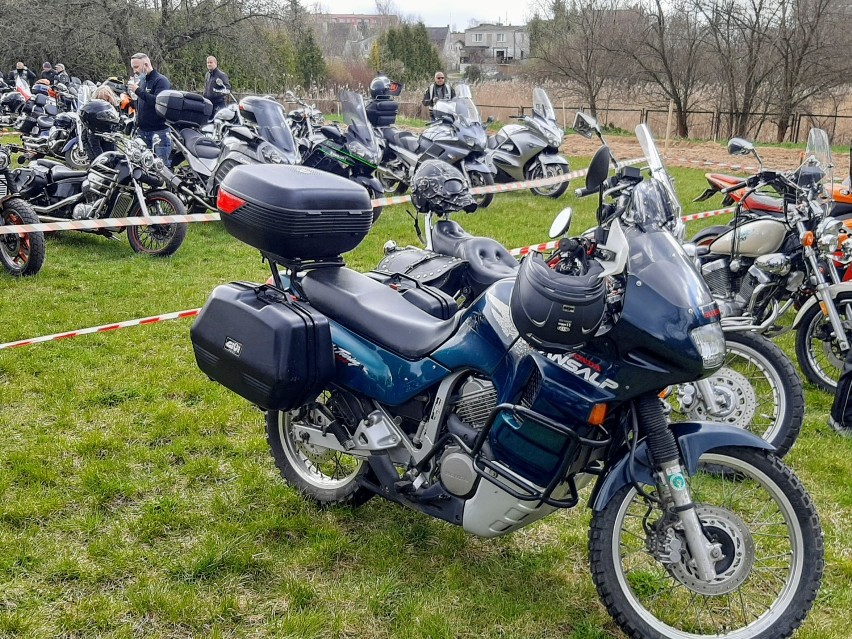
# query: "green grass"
139,498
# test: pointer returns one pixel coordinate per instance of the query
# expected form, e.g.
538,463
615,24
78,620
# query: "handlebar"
583,192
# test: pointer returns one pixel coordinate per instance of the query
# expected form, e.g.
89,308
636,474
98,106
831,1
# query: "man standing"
23,73
438,91
216,84
61,75
147,85
47,72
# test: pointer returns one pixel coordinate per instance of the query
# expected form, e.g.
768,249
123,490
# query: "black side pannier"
183,108
254,340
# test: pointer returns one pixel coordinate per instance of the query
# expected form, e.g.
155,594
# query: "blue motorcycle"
501,414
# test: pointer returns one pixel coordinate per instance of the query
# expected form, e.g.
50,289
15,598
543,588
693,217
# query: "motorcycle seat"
404,139
199,144
44,122
375,311
60,172
488,260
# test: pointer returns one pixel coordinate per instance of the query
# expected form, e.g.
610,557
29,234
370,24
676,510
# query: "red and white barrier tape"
106,328
708,163
704,214
82,225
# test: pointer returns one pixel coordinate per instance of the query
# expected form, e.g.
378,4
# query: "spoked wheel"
537,170
76,158
817,350
159,240
322,474
22,254
481,179
769,544
757,389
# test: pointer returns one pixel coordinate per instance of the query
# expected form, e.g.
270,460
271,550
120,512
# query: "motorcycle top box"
294,212
183,107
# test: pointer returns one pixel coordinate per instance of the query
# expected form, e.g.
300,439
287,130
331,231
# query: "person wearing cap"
438,91
61,74
22,72
47,72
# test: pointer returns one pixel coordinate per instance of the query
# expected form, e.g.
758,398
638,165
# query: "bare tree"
571,41
741,35
669,46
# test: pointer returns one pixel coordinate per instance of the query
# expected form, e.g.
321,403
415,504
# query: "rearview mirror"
561,223
738,146
219,82
598,169
586,125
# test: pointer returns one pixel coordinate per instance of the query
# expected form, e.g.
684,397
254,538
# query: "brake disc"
735,396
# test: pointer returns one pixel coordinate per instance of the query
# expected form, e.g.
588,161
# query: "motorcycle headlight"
148,161
554,138
827,242
5,159
470,140
709,340
362,151
271,155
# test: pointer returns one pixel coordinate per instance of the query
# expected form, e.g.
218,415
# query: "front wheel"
817,350
158,240
770,554
757,389
538,170
325,476
76,158
481,179
22,254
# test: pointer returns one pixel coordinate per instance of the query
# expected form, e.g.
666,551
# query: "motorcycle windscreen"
542,105
818,165
359,128
659,173
272,126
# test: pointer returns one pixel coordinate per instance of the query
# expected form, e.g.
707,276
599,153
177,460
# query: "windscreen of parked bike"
465,107
661,175
355,117
817,165
542,105
272,125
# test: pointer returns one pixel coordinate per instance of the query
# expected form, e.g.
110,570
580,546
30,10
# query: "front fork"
823,294
674,489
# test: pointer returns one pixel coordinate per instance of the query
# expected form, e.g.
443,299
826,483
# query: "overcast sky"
438,13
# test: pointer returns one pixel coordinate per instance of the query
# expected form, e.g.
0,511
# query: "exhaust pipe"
41,210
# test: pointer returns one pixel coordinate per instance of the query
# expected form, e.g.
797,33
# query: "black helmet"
557,312
116,85
100,116
438,187
12,102
384,86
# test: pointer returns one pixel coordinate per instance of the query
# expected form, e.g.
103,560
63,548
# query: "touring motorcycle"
530,150
498,416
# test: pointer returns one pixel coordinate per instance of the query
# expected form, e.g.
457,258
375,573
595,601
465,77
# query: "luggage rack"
527,491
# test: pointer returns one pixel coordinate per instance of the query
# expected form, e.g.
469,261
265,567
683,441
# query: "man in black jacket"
22,72
216,84
47,72
148,85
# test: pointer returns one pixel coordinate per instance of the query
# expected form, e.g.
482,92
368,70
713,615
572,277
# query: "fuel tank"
752,239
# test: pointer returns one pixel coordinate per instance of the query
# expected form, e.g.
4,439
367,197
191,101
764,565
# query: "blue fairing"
694,439
70,144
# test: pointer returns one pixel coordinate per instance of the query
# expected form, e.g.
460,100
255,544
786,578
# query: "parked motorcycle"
530,151
127,182
304,122
203,161
352,154
21,254
495,418
761,266
456,136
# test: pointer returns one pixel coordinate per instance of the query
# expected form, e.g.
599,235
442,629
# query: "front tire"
22,254
757,389
817,350
325,476
158,240
767,578
537,170
481,179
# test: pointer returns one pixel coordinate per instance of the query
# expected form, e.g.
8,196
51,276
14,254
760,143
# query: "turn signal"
808,239
597,415
227,202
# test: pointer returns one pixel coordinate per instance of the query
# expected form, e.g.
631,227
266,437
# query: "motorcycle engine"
477,397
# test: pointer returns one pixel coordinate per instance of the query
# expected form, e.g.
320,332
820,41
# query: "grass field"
139,498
